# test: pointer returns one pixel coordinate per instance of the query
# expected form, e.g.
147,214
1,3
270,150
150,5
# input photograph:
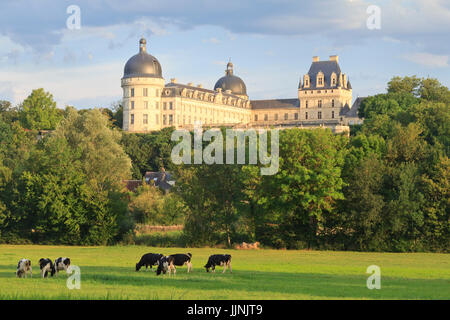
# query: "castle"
324,98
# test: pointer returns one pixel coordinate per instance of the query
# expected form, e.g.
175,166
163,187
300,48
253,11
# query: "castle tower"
325,92
142,85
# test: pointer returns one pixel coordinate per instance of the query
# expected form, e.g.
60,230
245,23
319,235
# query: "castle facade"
149,103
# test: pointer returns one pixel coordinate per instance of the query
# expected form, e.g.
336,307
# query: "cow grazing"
163,265
148,259
62,264
168,263
219,260
46,266
23,267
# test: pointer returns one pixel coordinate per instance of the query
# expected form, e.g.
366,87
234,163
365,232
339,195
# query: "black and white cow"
62,263
148,259
23,267
219,260
46,266
168,263
163,265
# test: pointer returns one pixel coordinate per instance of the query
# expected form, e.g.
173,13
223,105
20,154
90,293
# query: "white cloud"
428,59
67,85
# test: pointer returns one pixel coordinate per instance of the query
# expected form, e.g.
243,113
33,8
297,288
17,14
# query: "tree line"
383,188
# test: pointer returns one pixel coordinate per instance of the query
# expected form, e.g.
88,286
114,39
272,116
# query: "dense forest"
383,188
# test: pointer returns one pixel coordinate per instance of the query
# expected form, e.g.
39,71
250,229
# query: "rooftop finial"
229,70
142,45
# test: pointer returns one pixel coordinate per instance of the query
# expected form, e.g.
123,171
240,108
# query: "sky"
270,42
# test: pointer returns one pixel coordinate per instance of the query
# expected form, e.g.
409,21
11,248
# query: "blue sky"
271,44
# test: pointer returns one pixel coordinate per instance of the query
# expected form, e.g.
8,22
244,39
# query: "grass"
108,273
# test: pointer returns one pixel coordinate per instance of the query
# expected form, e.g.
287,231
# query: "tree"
38,111
7,112
404,85
297,200
5,106
146,204
148,151
71,188
362,212
432,90
98,148
212,195
436,188
117,109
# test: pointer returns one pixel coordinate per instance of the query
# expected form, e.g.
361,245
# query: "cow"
148,259
62,263
23,267
46,266
219,260
168,263
163,265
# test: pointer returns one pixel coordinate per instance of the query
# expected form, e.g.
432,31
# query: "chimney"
173,80
315,59
334,58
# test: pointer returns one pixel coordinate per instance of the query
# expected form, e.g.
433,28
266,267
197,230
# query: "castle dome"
231,82
143,64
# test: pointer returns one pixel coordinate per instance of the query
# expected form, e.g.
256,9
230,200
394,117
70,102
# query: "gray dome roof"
142,64
231,82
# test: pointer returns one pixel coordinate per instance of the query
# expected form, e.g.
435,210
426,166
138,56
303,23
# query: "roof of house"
161,179
178,87
327,68
274,103
353,111
355,107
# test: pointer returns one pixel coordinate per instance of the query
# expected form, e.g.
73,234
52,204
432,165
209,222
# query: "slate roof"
353,111
327,67
178,87
274,103
162,179
142,64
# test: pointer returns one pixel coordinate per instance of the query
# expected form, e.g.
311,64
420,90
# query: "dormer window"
306,81
333,79
320,79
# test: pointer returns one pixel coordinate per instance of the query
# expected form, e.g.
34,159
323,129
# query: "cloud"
68,85
428,59
41,24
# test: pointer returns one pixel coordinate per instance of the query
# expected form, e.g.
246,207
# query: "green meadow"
109,273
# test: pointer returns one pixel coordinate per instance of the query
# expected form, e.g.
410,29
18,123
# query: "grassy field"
108,273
